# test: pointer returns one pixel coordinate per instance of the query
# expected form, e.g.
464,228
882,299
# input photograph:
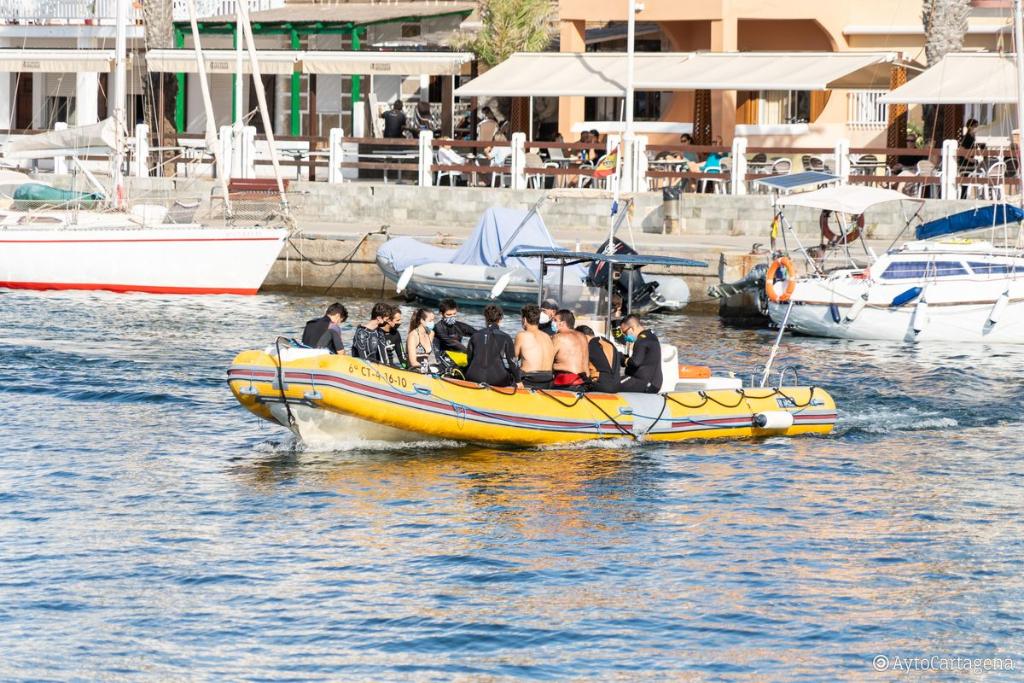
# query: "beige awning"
550,74
962,78
56,60
384,63
221,61
775,71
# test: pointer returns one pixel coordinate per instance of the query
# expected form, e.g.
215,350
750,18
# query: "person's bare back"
534,350
571,352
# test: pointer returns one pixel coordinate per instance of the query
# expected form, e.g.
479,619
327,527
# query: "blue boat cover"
972,219
483,247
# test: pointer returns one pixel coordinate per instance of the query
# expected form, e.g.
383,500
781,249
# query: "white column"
38,97
518,164
6,105
336,156
359,119
249,152
225,157
426,157
87,91
60,166
640,163
842,160
949,169
237,152
141,150
739,166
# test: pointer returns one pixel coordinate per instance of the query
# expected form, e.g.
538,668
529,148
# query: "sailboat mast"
1018,49
120,100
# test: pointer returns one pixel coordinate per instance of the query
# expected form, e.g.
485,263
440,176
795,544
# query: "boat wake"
335,445
886,420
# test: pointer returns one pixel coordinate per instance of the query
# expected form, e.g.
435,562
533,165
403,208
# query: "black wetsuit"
448,335
643,367
492,358
369,344
394,123
319,334
394,349
608,373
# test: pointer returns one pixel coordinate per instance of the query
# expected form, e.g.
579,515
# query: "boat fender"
834,311
857,307
773,419
920,315
906,297
999,307
694,372
769,280
313,395
403,281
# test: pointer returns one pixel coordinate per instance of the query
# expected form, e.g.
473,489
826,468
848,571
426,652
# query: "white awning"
96,138
56,60
641,127
553,74
221,61
314,62
962,78
851,199
774,71
384,63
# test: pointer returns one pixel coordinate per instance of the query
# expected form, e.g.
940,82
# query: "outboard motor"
597,276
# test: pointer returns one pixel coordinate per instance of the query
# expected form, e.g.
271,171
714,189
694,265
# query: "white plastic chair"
996,177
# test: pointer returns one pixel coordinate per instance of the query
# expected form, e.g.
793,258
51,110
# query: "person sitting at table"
970,134
487,127
446,156
423,120
394,120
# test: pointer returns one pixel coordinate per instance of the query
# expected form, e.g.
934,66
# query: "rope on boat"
280,382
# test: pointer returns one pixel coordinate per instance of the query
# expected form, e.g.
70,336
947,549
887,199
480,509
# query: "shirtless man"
571,358
534,351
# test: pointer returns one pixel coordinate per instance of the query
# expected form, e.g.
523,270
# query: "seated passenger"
420,342
534,351
325,332
492,358
643,365
548,311
605,361
571,358
394,349
449,331
368,342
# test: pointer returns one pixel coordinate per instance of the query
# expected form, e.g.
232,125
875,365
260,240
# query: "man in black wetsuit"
449,330
643,365
394,120
605,361
492,356
368,342
325,332
394,349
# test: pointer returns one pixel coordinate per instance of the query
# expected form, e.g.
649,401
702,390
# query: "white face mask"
544,318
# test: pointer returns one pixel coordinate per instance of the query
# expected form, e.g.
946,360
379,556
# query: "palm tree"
510,26
159,33
945,24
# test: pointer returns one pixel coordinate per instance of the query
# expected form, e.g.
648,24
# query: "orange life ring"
769,280
832,237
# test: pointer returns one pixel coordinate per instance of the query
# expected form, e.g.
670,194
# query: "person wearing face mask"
368,342
643,364
449,331
420,342
394,349
548,311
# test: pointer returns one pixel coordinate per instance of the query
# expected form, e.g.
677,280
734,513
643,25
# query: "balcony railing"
104,11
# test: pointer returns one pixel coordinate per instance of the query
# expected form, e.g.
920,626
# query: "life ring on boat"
834,237
769,280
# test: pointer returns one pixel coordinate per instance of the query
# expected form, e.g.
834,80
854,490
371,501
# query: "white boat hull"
162,259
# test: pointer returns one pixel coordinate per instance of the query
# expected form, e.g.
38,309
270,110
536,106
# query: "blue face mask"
429,326
629,337
554,326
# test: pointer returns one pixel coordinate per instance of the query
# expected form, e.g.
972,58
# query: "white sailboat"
123,251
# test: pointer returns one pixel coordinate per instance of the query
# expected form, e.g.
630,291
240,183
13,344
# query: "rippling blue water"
153,529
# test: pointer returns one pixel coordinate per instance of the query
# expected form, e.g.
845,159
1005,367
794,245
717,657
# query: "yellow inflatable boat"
323,396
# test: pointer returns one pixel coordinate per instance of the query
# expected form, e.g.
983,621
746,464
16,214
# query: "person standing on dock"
368,342
449,330
325,332
491,353
643,365
534,351
571,357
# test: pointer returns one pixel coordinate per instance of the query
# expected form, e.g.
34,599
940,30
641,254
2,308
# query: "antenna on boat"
120,101
211,121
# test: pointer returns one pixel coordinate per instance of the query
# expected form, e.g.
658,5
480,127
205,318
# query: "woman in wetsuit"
420,342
